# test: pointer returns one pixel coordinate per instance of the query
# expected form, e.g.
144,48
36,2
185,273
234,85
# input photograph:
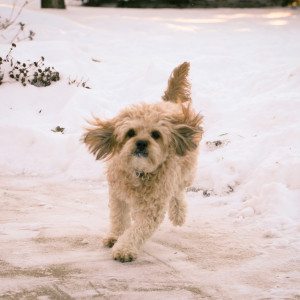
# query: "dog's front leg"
119,220
146,221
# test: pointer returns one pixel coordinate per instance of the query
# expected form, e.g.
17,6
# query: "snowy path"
50,246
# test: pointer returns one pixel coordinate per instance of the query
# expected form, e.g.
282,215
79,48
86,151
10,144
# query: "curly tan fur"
144,184
100,139
179,89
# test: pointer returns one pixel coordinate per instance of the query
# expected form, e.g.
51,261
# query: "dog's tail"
179,88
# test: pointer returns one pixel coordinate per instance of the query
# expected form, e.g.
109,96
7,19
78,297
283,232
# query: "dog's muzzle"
141,148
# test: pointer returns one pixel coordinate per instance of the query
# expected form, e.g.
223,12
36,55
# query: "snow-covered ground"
241,239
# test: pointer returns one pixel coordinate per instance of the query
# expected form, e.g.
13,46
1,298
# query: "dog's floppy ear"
186,131
100,139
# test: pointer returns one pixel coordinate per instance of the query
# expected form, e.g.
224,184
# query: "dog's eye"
130,133
155,134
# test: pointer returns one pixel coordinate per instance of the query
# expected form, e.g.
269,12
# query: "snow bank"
245,71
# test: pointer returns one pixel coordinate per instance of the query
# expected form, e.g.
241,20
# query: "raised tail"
179,88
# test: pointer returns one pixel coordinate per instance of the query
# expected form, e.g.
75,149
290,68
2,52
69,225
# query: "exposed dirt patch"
49,292
59,271
207,249
68,242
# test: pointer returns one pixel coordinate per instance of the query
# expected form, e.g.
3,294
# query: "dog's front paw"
109,241
124,254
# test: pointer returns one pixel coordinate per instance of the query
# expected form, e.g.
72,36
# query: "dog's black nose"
141,145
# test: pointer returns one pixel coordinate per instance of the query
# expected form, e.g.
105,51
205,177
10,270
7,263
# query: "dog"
151,151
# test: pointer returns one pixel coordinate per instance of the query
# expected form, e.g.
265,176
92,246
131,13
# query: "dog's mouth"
140,153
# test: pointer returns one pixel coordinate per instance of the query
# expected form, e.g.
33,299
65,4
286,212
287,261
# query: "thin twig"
19,12
13,9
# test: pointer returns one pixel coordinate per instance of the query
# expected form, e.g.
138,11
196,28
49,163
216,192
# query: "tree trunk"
53,4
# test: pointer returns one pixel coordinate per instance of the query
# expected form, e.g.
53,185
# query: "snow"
241,239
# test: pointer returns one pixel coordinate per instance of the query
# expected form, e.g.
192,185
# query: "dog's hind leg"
177,209
119,221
